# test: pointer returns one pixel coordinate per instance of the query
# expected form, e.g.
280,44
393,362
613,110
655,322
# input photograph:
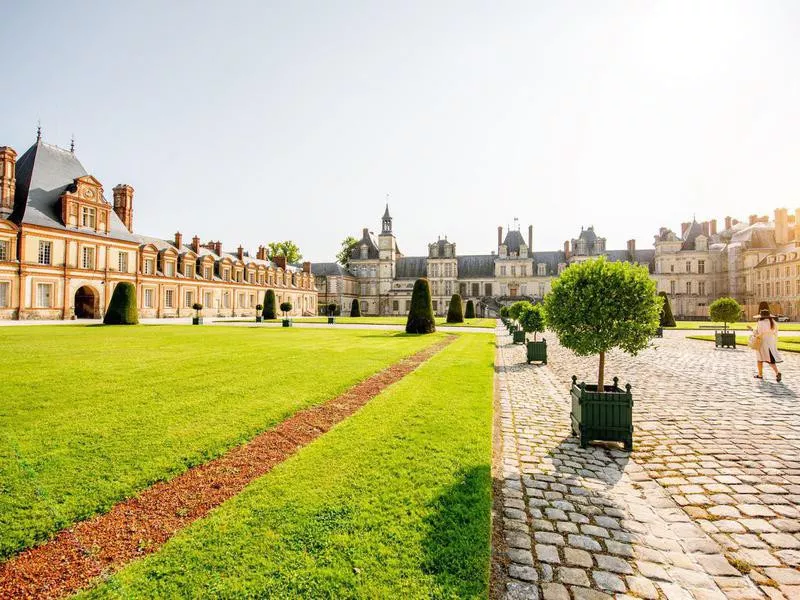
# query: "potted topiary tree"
726,310
355,308
595,306
122,307
514,311
531,318
331,313
504,315
286,307
469,312
665,319
259,316
197,319
420,316
269,306
454,314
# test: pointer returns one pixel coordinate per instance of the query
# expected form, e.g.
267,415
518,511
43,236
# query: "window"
44,295
788,288
5,294
148,266
513,270
701,266
396,305
488,288
207,273
408,305
523,271
87,257
5,250
252,278
226,276
541,269
462,289
787,271
672,268
364,307
208,299
148,298
88,217
169,269
188,270
672,288
169,298
541,290
701,288
476,289
188,299
523,290
435,306
688,266
688,287
122,262
503,271
45,252
769,289
242,303
226,300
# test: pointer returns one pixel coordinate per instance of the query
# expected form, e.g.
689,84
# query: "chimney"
713,227
706,228
178,240
781,226
753,219
123,205
499,236
728,223
632,249
307,267
365,233
280,261
8,180
566,249
196,244
685,228
218,248
530,239
262,253
240,252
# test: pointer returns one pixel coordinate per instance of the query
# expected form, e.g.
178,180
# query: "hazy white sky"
254,121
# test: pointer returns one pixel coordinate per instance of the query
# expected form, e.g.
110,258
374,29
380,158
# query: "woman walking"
767,350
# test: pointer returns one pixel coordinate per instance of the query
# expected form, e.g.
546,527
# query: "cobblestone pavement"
711,490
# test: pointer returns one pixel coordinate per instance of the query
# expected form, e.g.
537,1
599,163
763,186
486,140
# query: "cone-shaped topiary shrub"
420,317
454,314
355,308
122,308
269,305
726,310
469,313
666,319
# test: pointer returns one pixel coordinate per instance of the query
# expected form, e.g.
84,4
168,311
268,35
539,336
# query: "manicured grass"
440,321
787,344
392,503
90,415
739,326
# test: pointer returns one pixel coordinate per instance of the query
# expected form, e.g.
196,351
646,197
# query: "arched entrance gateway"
86,303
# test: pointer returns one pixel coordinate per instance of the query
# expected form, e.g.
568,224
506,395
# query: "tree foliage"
420,317
666,319
726,310
532,320
454,314
598,305
122,308
286,307
469,313
269,305
287,248
516,309
503,312
355,308
343,256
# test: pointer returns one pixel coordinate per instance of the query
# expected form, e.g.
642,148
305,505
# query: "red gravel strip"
143,524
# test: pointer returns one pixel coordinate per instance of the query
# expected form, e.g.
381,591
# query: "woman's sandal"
758,376
778,377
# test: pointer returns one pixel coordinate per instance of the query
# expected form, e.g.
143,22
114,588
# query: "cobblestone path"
711,491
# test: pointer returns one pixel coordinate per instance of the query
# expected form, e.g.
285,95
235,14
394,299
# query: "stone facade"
63,248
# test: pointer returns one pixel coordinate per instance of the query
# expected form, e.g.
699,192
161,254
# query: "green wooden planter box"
287,322
519,337
259,319
511,328
331,320
537,351
605,416
725,339
197,320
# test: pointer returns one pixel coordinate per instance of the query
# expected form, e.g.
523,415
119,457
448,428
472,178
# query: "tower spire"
38,131
72,144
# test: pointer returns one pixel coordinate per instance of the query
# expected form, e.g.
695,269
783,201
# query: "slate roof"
758,235
43,172
551,258
513,241
328,269
372,246
643,257
691,235
411,267
588,234
475,266
386,214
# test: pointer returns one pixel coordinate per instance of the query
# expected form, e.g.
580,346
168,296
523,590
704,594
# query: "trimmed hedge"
355,309
470,312
420,317
454,314
666,319
122,308
269,305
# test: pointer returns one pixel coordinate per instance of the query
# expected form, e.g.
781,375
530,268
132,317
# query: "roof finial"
38,131
72,144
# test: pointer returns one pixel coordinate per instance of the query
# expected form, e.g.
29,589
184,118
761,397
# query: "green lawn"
440,321
787,344
392,503
89,415
740,326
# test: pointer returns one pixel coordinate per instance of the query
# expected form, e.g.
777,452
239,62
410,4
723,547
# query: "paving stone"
781,540
580,593
546,537
522,557
619,548
524,573
518,539
608,581
783,576
573,576
716,564
652,570
642,587
547,553
583,542
554,591
517,590
613,564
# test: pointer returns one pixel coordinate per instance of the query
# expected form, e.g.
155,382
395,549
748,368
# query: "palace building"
64,246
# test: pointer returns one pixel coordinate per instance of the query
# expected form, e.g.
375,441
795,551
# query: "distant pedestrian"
765,343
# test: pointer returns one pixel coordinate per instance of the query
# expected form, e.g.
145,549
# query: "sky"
251,122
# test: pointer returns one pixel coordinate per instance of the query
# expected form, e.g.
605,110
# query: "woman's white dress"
769,342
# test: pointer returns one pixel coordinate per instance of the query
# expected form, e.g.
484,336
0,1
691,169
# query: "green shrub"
470,312
355,308
531,318
331,309
454,314
666,319
122,308
420,317
503,312
286,307
269,305
726,310
598,305
516,309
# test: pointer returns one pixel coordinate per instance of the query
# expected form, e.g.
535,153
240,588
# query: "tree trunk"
601,372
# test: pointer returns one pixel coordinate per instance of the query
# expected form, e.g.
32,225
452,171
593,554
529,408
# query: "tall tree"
343,256
286,248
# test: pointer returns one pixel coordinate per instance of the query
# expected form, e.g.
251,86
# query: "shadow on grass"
458,540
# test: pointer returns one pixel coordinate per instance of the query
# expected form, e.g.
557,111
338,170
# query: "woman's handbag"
754,341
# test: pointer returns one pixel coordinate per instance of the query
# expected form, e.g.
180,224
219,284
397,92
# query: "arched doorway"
86,303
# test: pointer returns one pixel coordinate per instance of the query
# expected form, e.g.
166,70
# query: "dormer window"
148,266
169,269
189,271
363,251
541,269
88,217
